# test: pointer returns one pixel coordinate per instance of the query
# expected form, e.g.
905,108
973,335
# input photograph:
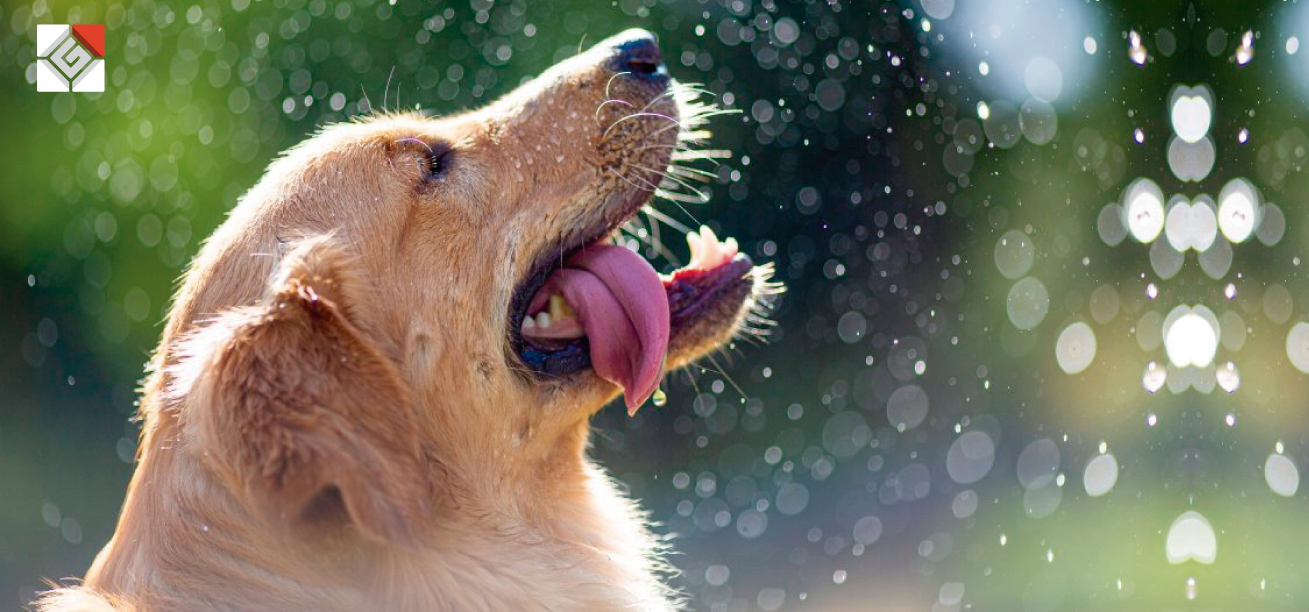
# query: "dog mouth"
603,307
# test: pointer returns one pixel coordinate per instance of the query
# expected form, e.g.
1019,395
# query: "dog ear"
299,409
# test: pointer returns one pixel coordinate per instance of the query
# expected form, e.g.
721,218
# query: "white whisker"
675,197
673,122
676,181
691,173
648,187
611,101
667,220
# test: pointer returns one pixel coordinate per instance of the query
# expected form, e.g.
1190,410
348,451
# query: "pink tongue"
621,304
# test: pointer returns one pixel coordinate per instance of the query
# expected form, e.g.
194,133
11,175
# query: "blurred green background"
910,437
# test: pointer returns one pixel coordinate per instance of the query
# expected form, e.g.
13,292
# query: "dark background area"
811,471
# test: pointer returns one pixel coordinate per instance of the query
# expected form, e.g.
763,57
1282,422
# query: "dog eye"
433,157
437,163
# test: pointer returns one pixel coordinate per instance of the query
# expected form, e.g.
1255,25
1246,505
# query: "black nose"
637,53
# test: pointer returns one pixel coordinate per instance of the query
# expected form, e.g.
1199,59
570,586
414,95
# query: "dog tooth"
693,240
708,235
711,250
543,319
731,247
560,309
528,322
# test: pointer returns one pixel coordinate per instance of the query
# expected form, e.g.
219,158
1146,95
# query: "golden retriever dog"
375,385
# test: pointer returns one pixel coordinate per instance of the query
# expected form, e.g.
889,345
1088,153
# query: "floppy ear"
298,409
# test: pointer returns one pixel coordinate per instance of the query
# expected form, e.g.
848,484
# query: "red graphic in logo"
92,36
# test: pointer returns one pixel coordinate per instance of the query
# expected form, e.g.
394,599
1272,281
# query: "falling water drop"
1245,52
1075,349
1297,346
1100,475
1229,378
1155,377
1281,474
1191,538
1136,50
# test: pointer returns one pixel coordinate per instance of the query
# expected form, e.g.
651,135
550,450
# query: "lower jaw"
717,313
573,357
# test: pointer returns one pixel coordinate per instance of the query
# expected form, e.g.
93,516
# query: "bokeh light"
1238,210
1191,539
1191,336
1143,210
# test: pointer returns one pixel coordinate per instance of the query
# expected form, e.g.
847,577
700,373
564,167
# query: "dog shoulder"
79,599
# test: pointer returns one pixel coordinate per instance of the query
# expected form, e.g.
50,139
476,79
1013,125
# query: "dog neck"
587,549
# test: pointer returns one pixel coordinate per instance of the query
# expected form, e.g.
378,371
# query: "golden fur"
334,420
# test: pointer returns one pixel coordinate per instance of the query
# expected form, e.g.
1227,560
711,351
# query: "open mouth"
605,308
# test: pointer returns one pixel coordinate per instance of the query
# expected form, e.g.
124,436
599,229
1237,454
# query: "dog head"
406,310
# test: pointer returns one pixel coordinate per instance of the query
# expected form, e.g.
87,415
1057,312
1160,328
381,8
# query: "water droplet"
1154,378
1028,303
1100,475
1075,348
1190,337
1014,254
1143,210
868,530
1135,49
970,457
1297,346
1038,464
1281,474
1245,51
1228,377
907,407
1191,538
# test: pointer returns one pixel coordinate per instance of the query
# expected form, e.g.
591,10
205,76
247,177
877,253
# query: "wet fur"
333,421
